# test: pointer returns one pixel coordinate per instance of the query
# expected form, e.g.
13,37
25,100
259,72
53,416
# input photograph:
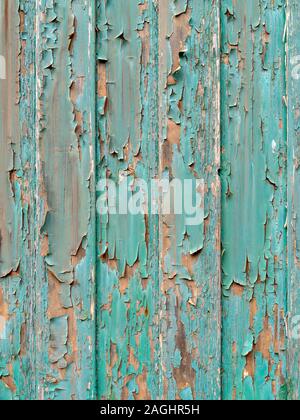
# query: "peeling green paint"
17,180
128,347
66,206
189,145
168,318
293,80
253,198
148,307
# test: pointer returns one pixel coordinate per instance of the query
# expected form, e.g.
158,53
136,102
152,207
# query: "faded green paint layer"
158,278
147,306
17,208
127,273
65,200
189,143
253,199
293,73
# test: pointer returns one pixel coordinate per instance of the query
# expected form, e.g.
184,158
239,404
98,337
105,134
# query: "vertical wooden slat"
66,200
10,144
293,77
17,167
254,199
189,150
127,279
159,278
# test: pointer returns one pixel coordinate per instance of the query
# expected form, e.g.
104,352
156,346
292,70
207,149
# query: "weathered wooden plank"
158,278
254,199
189,150
66,200
127,275
293,78
17,167
10,144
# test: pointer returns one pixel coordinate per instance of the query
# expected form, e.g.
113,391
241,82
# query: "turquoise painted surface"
254,236
147,307
190,149
128,348
17,213
66,200
47,268
158,279
293,80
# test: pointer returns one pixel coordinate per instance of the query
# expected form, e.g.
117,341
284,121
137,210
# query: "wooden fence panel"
123,96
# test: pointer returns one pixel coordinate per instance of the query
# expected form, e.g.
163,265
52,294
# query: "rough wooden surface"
65,200
128,348
147,306
254,199
158,279
293,84
17,209
189,149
